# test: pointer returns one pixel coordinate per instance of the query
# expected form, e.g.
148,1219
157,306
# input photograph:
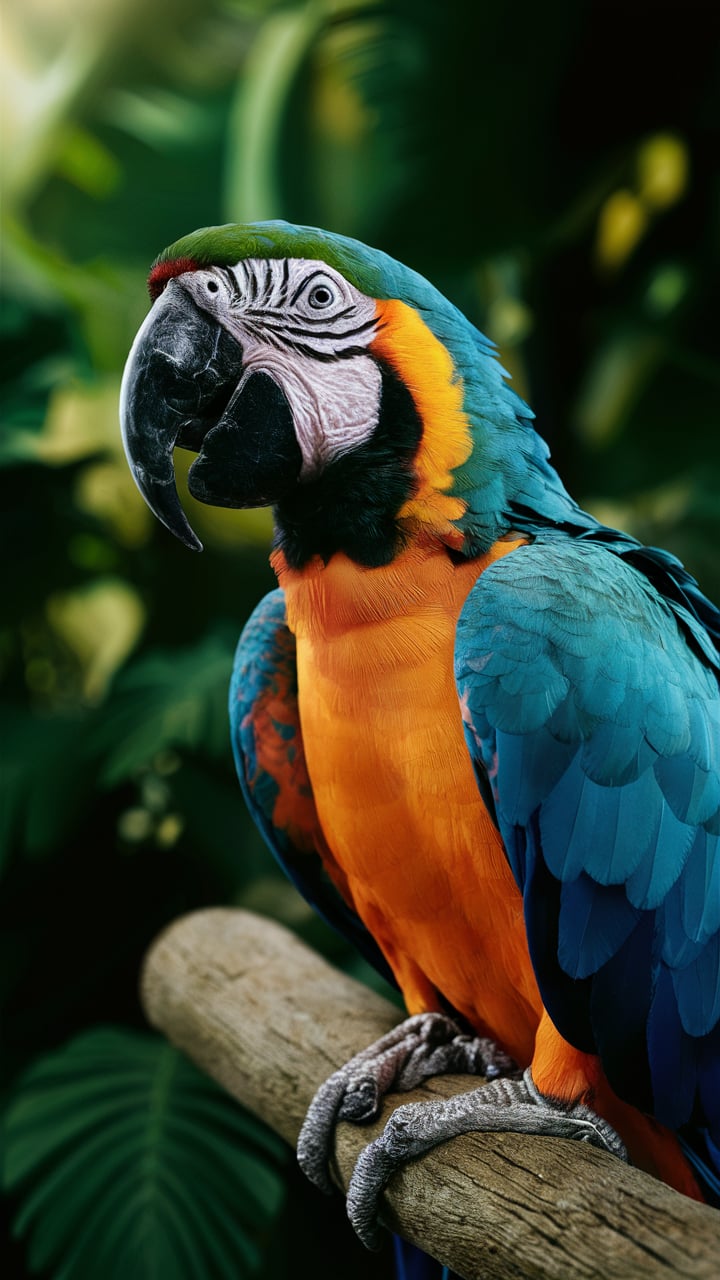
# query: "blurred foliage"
554,169
134,1163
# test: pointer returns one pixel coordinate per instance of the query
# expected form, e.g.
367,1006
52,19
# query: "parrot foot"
428,1044
505,1105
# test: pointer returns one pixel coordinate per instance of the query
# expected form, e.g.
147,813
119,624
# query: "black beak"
184,386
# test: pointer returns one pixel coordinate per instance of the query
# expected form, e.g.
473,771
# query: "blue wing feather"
594,923
621,1040
588,679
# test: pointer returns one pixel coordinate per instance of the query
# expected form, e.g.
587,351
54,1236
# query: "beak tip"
184,533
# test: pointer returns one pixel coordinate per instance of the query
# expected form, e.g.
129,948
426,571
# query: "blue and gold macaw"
479,730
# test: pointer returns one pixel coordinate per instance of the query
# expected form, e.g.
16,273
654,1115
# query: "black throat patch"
353,505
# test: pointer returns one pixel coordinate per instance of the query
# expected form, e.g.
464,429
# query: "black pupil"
321,296
213,286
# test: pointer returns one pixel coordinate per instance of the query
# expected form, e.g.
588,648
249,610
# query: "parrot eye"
318,291
210,286
321,296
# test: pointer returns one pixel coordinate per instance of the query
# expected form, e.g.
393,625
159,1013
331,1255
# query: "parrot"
478,729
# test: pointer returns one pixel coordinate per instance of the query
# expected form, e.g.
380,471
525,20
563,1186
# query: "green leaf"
175,699
159,119
128,1161
282,45
46,780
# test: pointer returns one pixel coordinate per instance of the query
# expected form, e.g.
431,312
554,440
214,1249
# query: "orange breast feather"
394,787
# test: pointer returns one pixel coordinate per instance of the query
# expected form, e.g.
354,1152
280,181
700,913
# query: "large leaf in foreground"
129,1162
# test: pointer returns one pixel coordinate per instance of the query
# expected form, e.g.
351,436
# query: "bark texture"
270,1020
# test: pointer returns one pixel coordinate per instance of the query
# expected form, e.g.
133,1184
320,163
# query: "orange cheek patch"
425,366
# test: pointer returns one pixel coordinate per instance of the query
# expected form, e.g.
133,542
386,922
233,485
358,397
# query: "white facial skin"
304,325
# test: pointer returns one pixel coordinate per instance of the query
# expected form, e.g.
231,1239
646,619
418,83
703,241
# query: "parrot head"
323,378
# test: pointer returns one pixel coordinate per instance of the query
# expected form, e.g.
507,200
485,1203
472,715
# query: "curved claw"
427,1044
374,1169
506,1105
314,1144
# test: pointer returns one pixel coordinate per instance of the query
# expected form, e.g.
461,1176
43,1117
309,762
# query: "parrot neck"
510,483
481,469
454,457
336,598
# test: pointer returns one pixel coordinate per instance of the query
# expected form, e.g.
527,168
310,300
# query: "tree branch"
270,1020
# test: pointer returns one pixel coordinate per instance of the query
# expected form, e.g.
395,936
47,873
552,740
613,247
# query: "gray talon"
425,1045
361,1102
506,1105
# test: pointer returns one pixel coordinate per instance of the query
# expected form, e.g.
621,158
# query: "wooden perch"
270,1020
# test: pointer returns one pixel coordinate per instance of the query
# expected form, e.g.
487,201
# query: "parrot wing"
270,761
592,712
